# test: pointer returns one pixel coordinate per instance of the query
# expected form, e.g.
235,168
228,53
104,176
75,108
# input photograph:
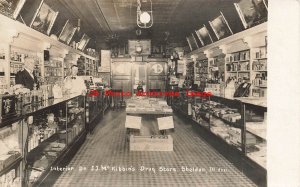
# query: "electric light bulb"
145,17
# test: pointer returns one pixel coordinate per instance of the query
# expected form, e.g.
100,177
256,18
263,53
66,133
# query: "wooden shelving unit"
18,41
53,70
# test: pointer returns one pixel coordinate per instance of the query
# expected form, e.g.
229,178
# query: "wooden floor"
108,151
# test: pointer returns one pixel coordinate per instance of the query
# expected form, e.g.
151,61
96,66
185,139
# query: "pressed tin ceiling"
101,19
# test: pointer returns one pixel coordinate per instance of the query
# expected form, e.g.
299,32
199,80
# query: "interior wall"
127,75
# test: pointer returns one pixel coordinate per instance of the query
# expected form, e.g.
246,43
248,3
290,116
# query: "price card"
165,123
133,122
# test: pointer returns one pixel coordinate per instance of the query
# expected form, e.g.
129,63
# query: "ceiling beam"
76,12
117,14
171,15
108,31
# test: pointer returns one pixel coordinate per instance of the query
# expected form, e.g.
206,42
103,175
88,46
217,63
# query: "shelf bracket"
248,40
47,46
208,53
64,53
194,57
224,49
8,35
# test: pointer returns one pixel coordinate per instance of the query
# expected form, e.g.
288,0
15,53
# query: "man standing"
75,84
26,77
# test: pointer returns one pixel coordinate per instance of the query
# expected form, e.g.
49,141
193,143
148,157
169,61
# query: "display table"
146,123
145,105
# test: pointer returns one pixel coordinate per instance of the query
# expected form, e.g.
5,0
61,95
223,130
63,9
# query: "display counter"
96,105
46,134
239,123
56,129
11,152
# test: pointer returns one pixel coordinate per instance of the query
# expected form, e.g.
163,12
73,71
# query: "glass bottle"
34,94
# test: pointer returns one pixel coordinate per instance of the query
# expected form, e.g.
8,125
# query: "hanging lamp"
144,18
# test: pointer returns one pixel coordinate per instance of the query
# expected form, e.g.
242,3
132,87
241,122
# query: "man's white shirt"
75,84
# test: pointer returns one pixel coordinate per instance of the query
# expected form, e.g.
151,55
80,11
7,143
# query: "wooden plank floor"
107,147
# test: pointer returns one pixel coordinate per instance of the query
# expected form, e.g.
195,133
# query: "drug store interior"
175,93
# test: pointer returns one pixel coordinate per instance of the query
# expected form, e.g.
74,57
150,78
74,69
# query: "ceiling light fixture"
144,17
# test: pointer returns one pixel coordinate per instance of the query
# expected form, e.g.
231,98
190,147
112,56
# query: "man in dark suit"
26,77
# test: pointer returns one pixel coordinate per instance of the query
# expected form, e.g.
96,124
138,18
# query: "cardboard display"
165,123
133,122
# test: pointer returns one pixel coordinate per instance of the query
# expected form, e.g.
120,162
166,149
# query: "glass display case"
221,116
75,118
200,111
241,123
11,153
46,140
54,127
97,103
183,103
225,120
255,136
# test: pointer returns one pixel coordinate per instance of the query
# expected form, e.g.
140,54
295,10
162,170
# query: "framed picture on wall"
220,27
192,42
204,36
67,32
44,19
83,42
11,8
252,12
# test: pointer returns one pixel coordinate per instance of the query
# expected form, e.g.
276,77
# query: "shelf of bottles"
17,57
51,133
67,68
201,72
88,67
3,59
215,76
81,66
53,70
189,79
